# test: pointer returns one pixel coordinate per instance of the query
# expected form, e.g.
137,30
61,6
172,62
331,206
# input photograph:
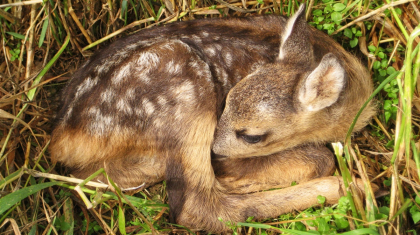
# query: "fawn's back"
137,96
146,109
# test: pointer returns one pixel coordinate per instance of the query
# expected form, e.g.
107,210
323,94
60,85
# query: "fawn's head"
272,108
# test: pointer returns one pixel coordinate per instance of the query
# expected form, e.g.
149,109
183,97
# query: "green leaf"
343,204
372,48
15,175
317,12
17,35
300,226
321,199
387,116
417,199
339,7
390,70
361,231
384,63
416,217
376,64
328,9
336,16
320,18
348,33
294,232
382,72
255,225
11,199
43,32
123,9
381,55
387,104
341,223
121,221
323,225
354,42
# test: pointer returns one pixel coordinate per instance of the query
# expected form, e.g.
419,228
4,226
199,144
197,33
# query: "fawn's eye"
252,139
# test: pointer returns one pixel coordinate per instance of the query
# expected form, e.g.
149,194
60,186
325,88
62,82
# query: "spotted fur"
146,109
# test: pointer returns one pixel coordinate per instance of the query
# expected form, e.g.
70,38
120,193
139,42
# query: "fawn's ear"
323,85
295,45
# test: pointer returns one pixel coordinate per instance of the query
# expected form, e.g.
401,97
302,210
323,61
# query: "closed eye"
252,139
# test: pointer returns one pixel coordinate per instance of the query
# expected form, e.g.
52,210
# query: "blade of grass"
13,198
31,94
43,32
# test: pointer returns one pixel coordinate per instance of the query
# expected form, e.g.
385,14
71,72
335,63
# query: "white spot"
221,73
185,92
141,74
130,94
197,38
121,74
178,113
132,46
210,51
122,53
103,68
94,112
228,59
124,106
68,113
149,108
85,86
173,68
205,34
146,59
101,125
162,100
157,123
108,95
202,70
169,46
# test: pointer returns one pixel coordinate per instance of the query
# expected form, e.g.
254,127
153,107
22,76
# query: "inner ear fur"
323,85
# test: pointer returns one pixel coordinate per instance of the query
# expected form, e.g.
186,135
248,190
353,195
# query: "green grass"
42,43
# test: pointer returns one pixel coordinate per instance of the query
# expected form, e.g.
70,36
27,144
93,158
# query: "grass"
43,42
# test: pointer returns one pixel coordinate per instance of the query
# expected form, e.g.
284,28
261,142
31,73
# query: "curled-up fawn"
146,109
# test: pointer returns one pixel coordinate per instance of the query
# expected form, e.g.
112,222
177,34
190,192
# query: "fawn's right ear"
295,45
324,84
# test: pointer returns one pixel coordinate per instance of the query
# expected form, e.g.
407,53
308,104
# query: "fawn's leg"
198,200
300,164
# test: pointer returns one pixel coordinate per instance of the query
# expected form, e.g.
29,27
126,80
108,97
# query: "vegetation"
44,41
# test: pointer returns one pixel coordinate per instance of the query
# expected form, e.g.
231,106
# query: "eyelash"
252,139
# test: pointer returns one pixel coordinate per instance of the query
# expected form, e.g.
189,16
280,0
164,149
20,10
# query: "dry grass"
32,74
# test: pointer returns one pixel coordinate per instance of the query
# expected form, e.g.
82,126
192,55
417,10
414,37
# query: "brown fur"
267,103
300,164
146,109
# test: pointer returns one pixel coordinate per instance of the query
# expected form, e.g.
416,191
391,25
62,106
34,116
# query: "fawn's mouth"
217,156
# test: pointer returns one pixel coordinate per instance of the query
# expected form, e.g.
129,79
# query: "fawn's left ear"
324,84
295,45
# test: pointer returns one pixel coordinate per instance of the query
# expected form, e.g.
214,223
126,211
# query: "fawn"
146,109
